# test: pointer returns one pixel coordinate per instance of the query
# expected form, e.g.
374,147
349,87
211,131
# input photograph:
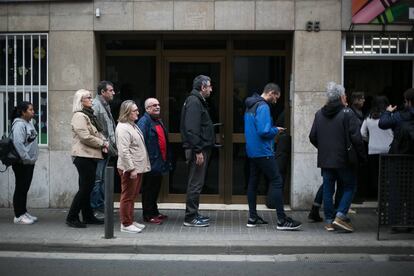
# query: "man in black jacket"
197,132
329,136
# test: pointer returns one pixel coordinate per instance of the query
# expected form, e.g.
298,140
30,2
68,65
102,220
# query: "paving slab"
227,234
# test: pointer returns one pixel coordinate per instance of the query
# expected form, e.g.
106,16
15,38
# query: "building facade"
50,49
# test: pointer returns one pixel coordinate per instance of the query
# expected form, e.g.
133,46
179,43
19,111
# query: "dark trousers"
196,177
23,174
373,165
81,202
150,189
319,195
268,166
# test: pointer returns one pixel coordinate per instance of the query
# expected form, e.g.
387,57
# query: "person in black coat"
197,132
328,135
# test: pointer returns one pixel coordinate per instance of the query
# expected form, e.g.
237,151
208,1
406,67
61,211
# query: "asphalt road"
61,264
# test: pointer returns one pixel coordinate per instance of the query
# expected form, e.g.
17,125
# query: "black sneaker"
256,221
75,223
288,224
203,218
196,223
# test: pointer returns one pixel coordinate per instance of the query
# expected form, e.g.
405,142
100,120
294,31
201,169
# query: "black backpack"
8,153
403,142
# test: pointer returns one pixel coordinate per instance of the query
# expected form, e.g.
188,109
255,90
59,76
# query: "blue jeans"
98,191
268,166
348,179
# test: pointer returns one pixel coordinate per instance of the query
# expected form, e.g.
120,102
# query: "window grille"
379,44
24,77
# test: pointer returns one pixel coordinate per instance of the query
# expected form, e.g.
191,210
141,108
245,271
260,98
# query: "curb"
203,249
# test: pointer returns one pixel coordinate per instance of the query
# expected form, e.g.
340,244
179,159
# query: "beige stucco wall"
74,63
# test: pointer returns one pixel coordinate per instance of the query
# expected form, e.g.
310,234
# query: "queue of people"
144,156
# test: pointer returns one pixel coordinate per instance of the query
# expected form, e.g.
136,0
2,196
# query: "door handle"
216,145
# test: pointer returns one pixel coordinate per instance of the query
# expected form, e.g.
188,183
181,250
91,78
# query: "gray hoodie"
24,138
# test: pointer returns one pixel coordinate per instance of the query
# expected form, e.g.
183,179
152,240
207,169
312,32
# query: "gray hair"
77,99
147,102
334,91
200,81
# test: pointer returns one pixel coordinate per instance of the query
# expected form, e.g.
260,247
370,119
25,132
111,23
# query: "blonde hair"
77,99
126,109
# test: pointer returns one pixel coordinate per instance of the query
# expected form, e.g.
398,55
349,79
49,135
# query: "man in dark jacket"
197,132
156,142
260,133
402,142
328,135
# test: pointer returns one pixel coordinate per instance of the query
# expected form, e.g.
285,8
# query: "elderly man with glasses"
156,142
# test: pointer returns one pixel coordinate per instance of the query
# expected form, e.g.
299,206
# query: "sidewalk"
227,234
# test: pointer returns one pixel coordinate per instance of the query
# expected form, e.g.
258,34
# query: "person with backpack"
402,123
24,136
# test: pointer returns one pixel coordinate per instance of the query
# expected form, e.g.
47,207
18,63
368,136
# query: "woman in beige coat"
133,162
87,146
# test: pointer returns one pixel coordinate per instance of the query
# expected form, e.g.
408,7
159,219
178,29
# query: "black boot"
314,214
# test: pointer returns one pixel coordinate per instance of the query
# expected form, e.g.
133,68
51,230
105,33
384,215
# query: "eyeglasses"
87,98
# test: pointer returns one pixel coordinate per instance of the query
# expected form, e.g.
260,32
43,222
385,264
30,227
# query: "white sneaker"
130,229
23,220
139,225
31,217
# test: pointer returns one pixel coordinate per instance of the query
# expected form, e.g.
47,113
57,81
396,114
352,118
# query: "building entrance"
164,67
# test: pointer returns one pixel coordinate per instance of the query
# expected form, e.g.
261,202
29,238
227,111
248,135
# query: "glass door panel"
180,81
250,75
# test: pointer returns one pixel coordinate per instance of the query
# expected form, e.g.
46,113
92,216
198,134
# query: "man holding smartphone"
260,133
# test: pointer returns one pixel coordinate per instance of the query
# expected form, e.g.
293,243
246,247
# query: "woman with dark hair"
24,136
379,141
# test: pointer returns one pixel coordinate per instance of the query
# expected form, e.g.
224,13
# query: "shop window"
23,77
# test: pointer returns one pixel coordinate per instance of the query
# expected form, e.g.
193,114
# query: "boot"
314,214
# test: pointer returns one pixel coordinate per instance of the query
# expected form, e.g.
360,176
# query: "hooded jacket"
259,130
329,137
197,130
402,143
24,138
393,120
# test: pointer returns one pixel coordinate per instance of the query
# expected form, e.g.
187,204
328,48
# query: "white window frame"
28,89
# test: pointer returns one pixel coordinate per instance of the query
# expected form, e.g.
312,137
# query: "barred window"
24,77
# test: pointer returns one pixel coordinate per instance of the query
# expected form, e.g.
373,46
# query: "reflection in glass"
251,74
241,172
133,78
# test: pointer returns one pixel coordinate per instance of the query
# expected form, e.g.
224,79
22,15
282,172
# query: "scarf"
89,112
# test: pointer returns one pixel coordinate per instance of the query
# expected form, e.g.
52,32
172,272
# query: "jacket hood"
332,108
19,120
251,101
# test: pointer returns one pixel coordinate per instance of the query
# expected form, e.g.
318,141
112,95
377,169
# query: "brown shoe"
329,227
347,226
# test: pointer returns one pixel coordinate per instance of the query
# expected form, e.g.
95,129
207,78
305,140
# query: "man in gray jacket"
102,110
